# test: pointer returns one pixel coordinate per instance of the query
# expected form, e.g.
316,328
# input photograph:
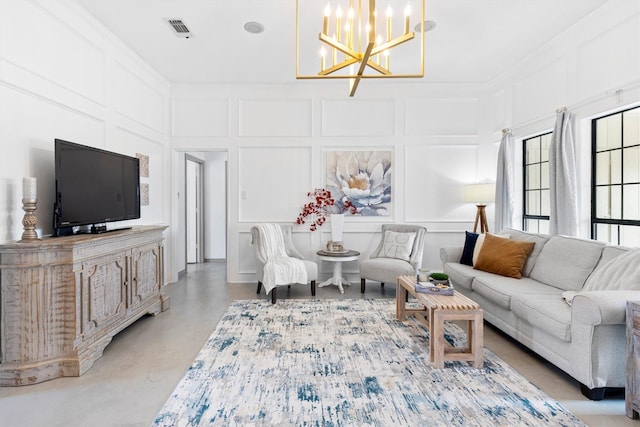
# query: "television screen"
94,186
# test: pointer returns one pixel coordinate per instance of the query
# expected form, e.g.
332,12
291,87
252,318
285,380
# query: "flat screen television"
93,187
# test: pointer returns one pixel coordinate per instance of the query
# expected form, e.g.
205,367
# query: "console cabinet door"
104,293
146,273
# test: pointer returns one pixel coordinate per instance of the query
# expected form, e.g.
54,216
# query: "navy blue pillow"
469,245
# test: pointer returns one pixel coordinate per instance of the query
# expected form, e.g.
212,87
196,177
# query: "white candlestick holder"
29,220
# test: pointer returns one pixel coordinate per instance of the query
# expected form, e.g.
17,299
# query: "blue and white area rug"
345,363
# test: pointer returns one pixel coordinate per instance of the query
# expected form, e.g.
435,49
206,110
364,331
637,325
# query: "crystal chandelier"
356,39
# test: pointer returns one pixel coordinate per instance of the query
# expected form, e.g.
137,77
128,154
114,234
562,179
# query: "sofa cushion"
546,312
566,262
500,289
503,256
460,274
620,273
538,239
609,253
470,240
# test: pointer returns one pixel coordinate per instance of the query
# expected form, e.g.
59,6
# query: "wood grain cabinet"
632,390
63,299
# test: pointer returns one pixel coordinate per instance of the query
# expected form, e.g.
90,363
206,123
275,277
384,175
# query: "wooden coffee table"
436,310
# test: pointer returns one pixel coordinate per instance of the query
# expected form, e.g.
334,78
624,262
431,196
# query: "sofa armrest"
602,307
450,254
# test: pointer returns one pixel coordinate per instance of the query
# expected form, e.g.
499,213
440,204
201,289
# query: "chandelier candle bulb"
373,25
386,59
338,22
29,188
325,22
350,15
389,15
323,52
359,25
407,15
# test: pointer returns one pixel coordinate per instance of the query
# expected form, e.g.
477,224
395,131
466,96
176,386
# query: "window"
536,201
615,178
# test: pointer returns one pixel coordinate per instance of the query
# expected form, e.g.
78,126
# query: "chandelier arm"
363,64
393,43
378,68
338,67
337,45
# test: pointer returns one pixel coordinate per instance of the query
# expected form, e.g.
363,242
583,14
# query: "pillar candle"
29,188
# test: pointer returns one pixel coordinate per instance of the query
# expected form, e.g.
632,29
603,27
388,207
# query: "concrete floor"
143,363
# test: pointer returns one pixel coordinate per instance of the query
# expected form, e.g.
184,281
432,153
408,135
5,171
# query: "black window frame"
594,219
526,216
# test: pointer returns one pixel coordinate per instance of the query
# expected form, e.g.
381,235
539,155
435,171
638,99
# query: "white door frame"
194,219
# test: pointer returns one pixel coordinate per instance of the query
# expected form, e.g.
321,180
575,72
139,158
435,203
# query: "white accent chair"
310,266
386,270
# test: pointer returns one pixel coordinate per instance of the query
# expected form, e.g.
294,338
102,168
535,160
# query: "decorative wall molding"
353,117
275,117
441,116
200,117
135,99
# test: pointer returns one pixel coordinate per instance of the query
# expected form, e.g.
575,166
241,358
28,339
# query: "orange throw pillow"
503,256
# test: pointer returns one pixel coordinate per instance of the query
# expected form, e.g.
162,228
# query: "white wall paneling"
274,117
273,183
446,116
130,143
541,91
137,100
30,38
353,117
434,178
499,104
611,59
200,117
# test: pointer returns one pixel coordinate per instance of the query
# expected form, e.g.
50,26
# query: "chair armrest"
450,254
602,307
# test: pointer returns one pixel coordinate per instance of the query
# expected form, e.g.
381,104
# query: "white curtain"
563,214
504,182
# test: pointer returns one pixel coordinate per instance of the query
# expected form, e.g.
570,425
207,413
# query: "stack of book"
434,288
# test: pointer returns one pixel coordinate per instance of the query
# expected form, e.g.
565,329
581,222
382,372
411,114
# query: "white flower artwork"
363,178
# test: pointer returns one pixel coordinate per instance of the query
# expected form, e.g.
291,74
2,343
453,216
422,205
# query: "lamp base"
481,217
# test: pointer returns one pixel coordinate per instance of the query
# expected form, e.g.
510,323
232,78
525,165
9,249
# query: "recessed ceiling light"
428,26
253,27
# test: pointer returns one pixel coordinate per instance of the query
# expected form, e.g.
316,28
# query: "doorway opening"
204,223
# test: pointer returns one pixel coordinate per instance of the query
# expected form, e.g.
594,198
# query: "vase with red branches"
322,204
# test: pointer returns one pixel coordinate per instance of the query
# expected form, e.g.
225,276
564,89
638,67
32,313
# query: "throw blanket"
621,273
279,268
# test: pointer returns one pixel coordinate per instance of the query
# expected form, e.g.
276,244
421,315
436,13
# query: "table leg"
476,338
436,339
337,278
401,298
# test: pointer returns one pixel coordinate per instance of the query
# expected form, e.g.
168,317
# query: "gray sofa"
585,339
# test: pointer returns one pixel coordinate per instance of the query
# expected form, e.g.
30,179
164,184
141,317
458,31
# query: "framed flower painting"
363,178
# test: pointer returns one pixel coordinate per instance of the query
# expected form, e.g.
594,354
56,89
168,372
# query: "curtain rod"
561,110
506,130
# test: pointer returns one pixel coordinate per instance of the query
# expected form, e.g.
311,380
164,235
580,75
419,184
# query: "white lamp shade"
479,193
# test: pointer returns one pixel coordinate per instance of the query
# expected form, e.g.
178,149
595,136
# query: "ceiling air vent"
180,28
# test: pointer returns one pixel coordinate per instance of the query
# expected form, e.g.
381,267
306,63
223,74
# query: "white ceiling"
474,40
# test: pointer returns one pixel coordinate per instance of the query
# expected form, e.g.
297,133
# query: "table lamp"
480,194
